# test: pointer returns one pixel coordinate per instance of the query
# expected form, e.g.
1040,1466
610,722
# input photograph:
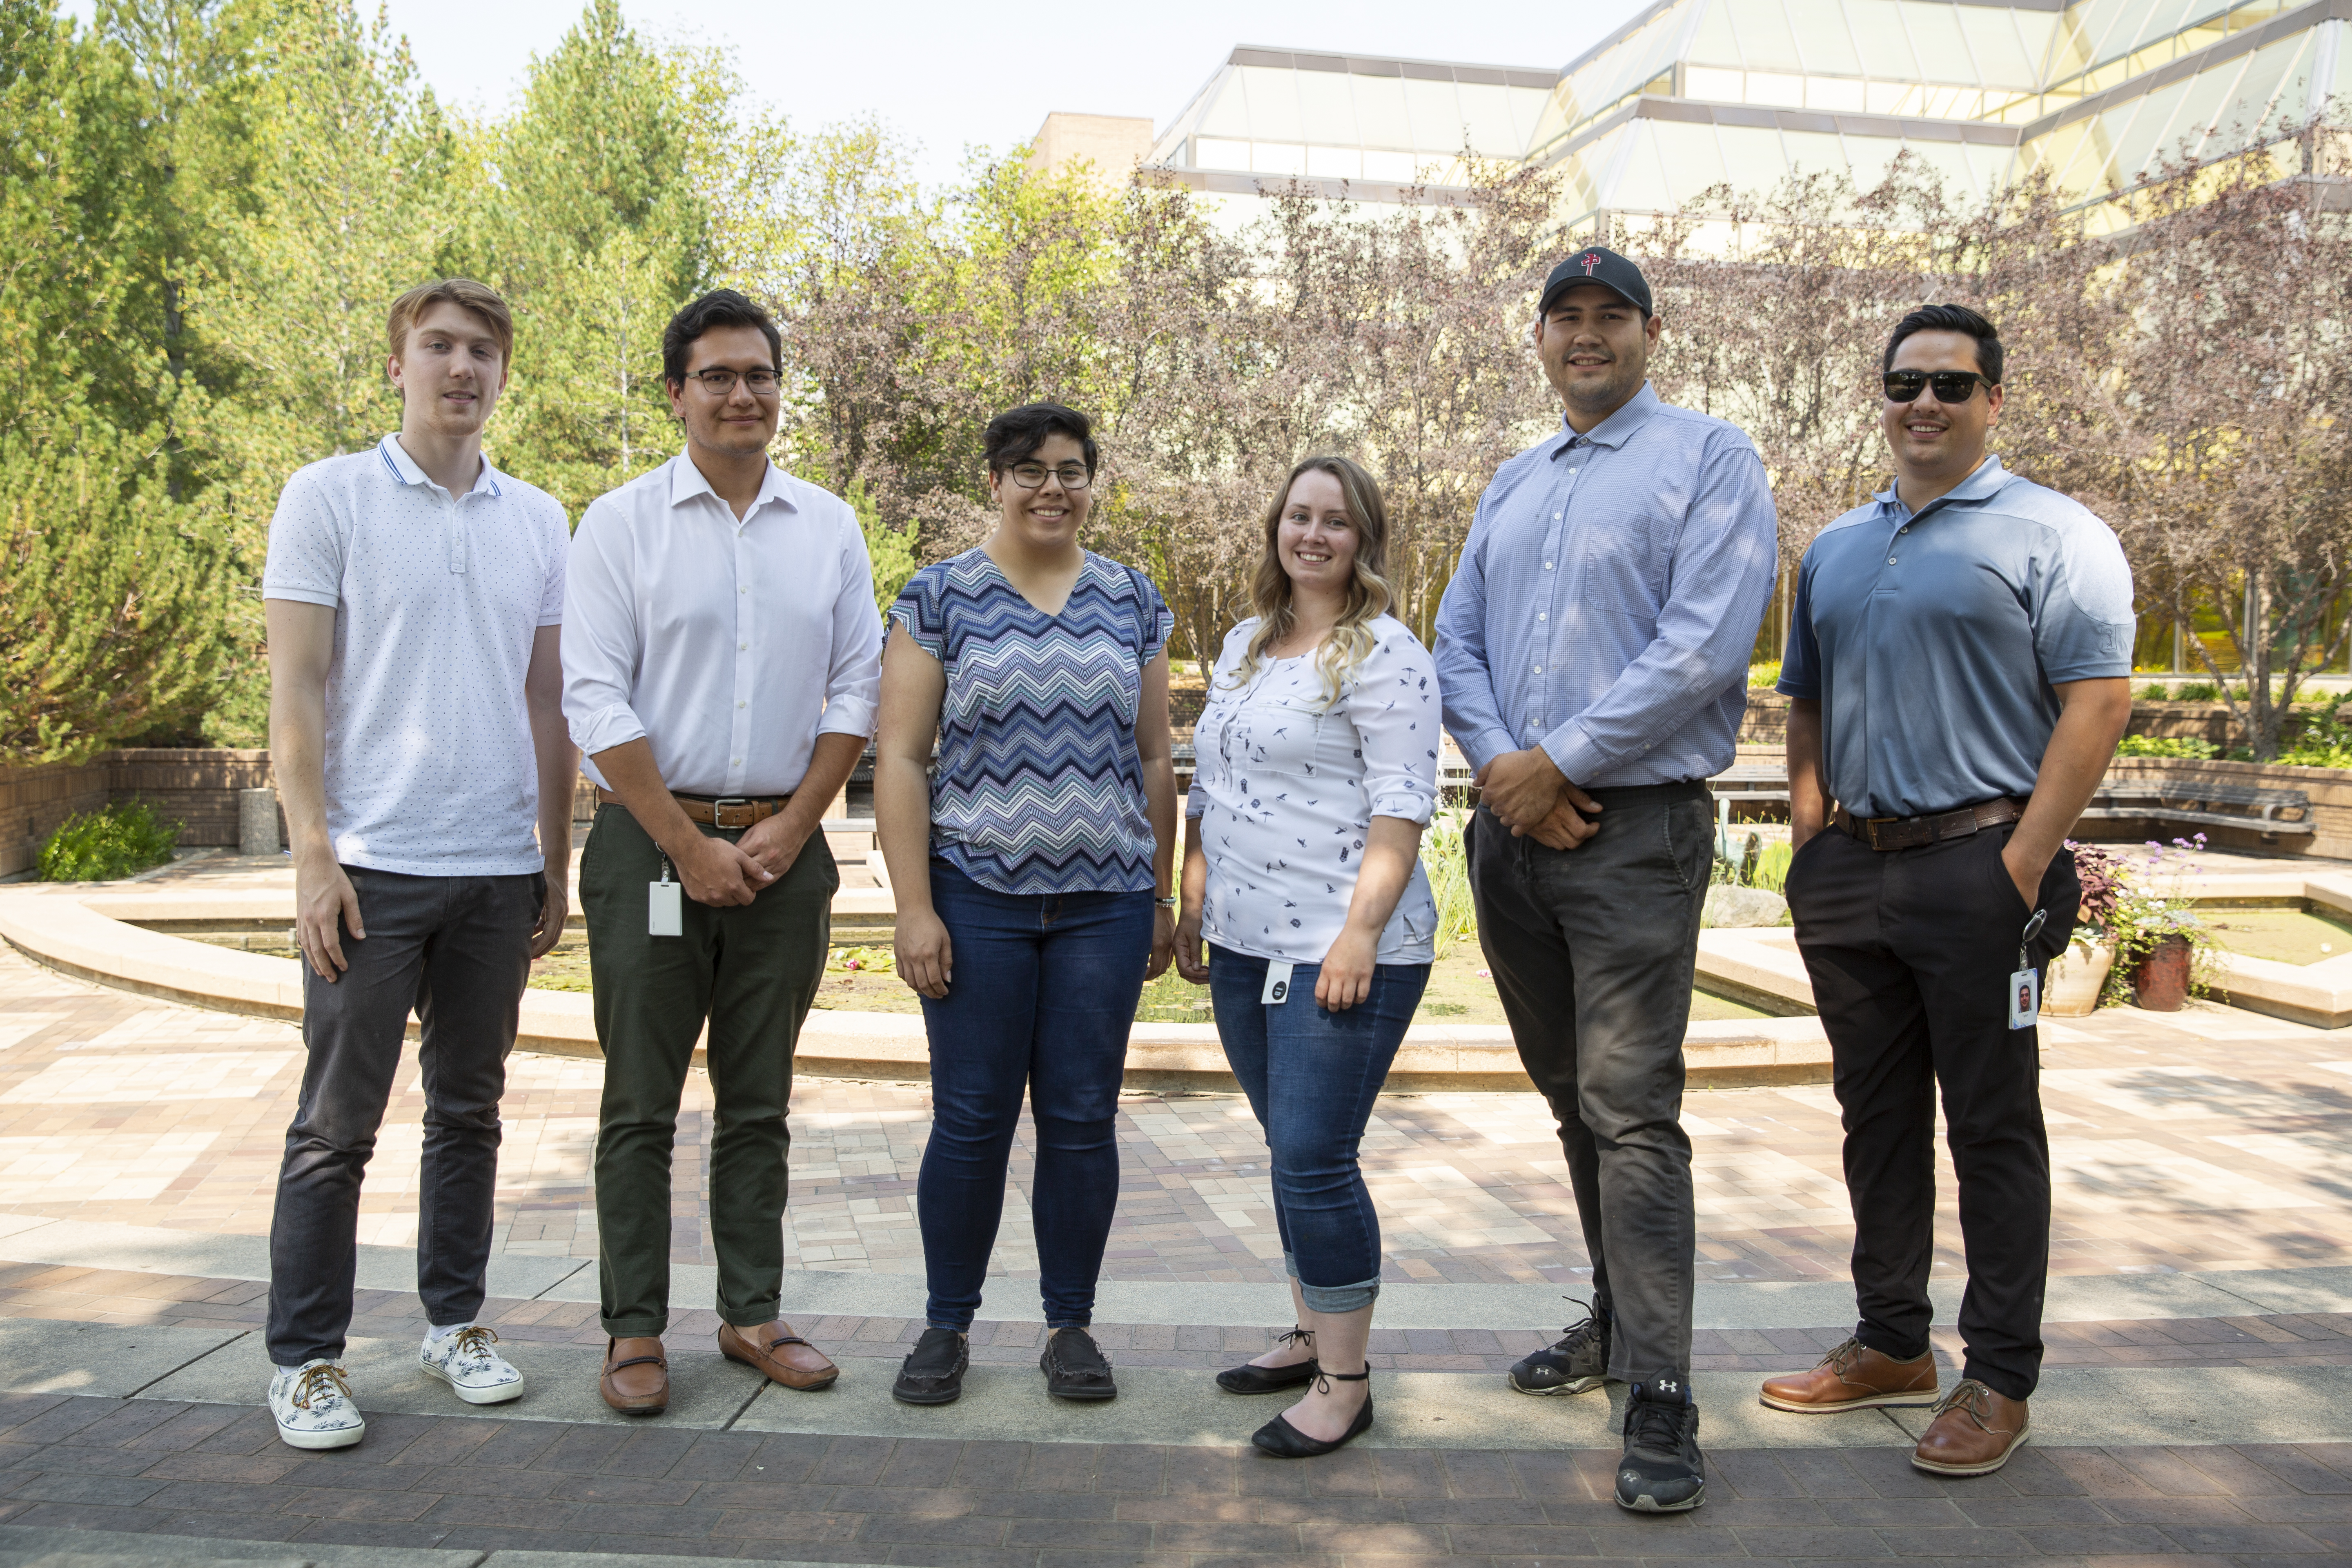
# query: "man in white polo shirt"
721,656
414,597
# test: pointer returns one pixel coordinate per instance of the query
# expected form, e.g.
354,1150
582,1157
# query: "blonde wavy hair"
1350,638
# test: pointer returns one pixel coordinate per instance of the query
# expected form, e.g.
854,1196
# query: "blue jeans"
1044,994
1311,1077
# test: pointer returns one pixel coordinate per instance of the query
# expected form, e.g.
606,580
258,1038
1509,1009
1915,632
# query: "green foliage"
2151,904
1764,675
2167,746
892,550
1443,857
2197,692
119,840
2156,691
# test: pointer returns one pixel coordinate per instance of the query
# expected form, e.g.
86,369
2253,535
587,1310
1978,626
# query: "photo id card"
665,914
1277,984
2024,998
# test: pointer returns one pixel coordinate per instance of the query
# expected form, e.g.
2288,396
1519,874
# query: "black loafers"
933,1371
1075,1366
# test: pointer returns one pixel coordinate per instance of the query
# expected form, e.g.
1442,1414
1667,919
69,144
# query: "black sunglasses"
1951,385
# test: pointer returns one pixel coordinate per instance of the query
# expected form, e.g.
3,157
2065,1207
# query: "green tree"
598,225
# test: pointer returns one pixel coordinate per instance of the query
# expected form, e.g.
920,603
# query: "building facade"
1693,94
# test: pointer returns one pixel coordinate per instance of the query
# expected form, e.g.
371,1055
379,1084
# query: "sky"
946,75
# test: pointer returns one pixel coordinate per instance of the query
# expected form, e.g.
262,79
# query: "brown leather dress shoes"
1853,1377
636,1379
782,1356
1974,1433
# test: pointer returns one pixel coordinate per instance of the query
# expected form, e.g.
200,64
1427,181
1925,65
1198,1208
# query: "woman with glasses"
1318,773
1031,865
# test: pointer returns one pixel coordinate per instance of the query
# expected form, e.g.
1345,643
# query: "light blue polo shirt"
1932,640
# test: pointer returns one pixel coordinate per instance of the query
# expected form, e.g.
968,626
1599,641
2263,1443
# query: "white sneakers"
313,1406
465,1360
312,1403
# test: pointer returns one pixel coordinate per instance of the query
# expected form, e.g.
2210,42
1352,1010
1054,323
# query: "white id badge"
1277,984
2025,985
664,915
2024,998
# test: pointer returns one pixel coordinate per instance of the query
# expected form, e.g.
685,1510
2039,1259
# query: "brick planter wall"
195,787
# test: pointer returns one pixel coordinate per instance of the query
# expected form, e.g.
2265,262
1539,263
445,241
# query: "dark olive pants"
752,972
1910,952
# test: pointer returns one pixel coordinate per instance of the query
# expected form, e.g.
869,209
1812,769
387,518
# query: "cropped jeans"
1311,1076
1045,990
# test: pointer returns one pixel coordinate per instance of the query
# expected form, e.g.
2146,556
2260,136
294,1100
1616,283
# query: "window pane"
1335,162
1813,152
1489,119
1713,85
1822,35
1380,119
1764,37
1885,46
1780,91
1935,34
1868,157
1435,114
1839,95
2001,55
1326,108
1689,153
1715,44
1218,153
1752,158
1277,158
1272,103
1228,110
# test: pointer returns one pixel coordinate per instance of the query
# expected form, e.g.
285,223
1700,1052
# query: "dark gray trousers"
1592,949
457,950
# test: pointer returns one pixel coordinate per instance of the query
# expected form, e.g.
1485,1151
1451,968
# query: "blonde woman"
1318,770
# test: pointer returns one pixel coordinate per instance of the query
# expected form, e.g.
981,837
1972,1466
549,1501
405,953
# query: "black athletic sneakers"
933,1371
1075,1366
1576,1364
1663,1471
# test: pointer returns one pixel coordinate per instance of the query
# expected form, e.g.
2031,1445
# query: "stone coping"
83,929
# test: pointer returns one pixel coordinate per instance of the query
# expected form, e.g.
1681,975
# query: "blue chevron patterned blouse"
1038,787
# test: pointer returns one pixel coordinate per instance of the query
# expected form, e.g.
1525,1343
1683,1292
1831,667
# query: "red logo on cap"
1591,259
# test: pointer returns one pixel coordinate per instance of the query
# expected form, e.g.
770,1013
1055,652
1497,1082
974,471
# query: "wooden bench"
2202,803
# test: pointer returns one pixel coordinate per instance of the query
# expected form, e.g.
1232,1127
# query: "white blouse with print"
1285,791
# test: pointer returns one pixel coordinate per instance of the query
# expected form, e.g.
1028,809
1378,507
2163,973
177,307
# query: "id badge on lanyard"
665,914
2025,985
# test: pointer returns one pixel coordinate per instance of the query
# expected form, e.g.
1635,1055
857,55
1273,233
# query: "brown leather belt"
732,812
1910,832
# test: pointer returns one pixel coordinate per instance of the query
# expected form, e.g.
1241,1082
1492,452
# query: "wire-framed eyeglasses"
1072,475
720,382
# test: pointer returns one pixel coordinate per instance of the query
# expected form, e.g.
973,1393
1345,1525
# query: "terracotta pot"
2161,979
2076,977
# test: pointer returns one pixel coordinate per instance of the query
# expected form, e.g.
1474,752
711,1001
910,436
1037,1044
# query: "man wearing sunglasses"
1959,666
722,660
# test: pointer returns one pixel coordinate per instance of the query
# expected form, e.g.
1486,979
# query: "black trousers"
457,950
1593,949
1910,952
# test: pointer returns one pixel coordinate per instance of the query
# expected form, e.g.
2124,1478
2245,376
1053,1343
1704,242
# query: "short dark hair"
719,308
1015,435
1950,318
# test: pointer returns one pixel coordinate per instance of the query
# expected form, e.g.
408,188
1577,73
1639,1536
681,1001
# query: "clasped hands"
1528,794
720,873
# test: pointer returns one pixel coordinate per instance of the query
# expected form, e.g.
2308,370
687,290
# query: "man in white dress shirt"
721,656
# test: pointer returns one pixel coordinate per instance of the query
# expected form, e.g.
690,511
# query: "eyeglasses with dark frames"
1073,476
1951,385
720,383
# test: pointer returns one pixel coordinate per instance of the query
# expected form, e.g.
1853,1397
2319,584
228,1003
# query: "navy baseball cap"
1595,264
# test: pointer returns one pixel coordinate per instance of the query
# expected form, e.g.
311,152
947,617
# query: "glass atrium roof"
1694,93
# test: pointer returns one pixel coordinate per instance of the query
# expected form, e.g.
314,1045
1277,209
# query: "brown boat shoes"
1973,1432
635,1378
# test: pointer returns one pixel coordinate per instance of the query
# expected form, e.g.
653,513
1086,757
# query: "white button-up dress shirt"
729,645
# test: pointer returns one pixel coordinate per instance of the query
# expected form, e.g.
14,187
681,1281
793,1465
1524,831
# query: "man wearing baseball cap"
1593,650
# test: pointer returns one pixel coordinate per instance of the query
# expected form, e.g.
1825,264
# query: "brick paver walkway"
2209,1139
218,1470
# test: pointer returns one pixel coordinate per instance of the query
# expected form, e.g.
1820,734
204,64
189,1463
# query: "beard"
1604,394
